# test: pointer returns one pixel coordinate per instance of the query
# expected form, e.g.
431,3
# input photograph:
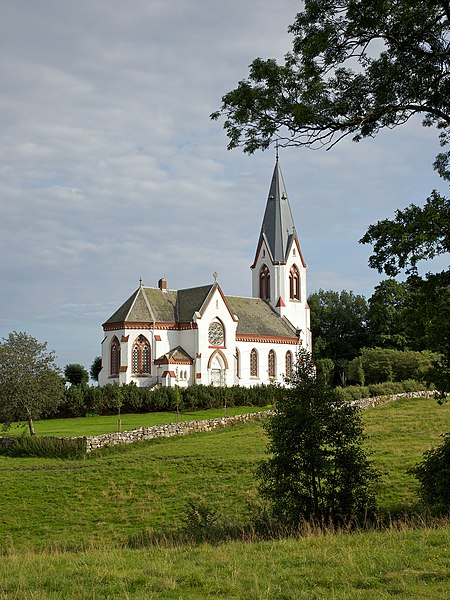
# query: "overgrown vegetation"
44,447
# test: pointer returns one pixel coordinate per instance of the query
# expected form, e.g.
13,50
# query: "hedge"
112,399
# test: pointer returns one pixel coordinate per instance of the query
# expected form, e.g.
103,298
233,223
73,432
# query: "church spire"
278,223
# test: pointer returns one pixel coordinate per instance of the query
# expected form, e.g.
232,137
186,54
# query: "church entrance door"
216,377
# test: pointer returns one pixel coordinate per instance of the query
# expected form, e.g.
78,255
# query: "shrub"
379,365
433,474
318,469
385,389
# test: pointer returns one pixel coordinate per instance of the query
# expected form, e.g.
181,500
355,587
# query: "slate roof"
152,305
157,306
278,226
256,317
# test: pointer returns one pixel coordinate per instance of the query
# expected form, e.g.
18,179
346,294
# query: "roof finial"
276,149
140,281
215,275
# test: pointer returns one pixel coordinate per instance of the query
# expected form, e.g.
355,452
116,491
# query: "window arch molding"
114,357
141,356
264,282
254,366
294,283
272,364
289,364
216,333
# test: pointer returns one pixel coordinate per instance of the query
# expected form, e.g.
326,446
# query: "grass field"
65,525
95,425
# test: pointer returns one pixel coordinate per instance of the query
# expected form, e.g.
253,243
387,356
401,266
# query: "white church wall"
221,356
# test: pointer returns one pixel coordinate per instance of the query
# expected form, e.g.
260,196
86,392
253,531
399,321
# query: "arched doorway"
217,369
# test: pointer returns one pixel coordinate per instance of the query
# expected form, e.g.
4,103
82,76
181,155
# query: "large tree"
30,382
338,327
356,67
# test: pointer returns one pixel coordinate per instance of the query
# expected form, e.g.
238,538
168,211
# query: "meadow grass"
96,425
403,564
65,524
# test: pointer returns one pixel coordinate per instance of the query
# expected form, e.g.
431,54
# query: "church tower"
279,271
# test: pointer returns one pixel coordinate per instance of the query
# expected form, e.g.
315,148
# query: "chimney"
162,284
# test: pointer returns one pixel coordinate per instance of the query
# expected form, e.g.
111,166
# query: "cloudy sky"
112,171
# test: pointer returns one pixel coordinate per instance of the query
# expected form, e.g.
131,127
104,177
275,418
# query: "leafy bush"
353,392
385,389
380,365
318,470
433,474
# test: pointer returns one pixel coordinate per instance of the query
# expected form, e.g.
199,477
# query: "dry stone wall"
168,430
187,427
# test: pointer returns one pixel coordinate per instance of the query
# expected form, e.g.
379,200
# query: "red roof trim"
169,373
248,337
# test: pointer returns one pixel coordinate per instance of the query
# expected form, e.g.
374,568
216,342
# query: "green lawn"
80,513
95,425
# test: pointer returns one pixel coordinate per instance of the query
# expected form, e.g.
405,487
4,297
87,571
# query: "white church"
163,337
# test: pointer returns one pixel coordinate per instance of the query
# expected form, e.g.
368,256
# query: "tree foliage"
338,324
317,469
30,383
417,233
76,374
356,66
96,367
433,474
386,315
379,365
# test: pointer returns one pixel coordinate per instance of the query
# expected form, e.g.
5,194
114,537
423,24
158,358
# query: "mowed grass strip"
402,564
112,495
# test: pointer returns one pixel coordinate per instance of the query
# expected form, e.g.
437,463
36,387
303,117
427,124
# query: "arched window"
140,356
254,363
272,364
238,363
294,283
264,283
288,364
216,333
115,356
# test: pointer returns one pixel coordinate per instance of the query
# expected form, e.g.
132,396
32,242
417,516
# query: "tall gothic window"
238,363
294,283
115,356
140,356
272,364
264,283
288,364
254,363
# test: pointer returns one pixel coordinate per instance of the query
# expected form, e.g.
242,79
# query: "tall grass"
403,564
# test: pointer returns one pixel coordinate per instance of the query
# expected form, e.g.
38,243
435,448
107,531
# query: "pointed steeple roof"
278,226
